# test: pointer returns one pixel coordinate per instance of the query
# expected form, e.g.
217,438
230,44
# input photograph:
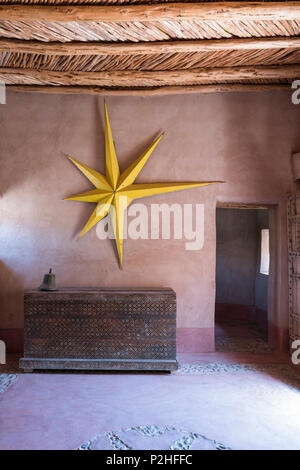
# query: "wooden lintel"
215,11
239,205
157,91
133,78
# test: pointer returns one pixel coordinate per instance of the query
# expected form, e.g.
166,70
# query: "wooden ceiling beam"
156,91
144,48
125,78
216,11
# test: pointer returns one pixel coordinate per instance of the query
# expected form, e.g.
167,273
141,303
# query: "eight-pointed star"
115,191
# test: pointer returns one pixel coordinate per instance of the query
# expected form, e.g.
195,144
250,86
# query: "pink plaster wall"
245,139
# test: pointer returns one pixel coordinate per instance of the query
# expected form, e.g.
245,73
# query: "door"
294,266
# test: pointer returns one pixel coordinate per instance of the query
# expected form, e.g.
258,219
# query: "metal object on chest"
112,329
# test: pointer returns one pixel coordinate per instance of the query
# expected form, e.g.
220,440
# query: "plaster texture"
245,139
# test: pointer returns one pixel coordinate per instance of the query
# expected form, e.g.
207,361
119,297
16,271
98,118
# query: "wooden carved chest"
113,329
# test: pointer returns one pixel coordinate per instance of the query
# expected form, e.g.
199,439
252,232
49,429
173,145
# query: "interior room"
242,275
149,235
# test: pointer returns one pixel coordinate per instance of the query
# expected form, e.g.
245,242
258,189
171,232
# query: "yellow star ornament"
114,191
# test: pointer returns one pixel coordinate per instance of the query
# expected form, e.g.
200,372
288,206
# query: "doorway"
242,278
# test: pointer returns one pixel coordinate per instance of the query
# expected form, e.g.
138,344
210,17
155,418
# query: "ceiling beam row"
255,11
133,78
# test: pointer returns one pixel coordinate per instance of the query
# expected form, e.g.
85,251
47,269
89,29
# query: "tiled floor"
233,336
218,400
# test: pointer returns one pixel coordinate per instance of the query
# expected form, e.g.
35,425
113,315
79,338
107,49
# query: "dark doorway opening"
242,277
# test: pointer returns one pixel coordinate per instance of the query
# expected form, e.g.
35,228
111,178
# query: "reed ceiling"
115,45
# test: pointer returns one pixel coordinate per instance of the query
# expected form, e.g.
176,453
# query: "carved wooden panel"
294,266
100,324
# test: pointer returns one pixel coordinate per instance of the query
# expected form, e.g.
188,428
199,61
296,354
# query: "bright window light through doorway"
264,252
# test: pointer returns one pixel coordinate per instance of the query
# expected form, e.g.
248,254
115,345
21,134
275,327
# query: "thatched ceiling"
108,46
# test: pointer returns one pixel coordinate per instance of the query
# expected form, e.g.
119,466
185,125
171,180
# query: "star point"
115,191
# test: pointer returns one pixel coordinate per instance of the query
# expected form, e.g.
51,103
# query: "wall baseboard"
243,314
261,320
240,312
278,337
195,340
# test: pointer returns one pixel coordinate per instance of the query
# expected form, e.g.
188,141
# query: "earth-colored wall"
245,139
